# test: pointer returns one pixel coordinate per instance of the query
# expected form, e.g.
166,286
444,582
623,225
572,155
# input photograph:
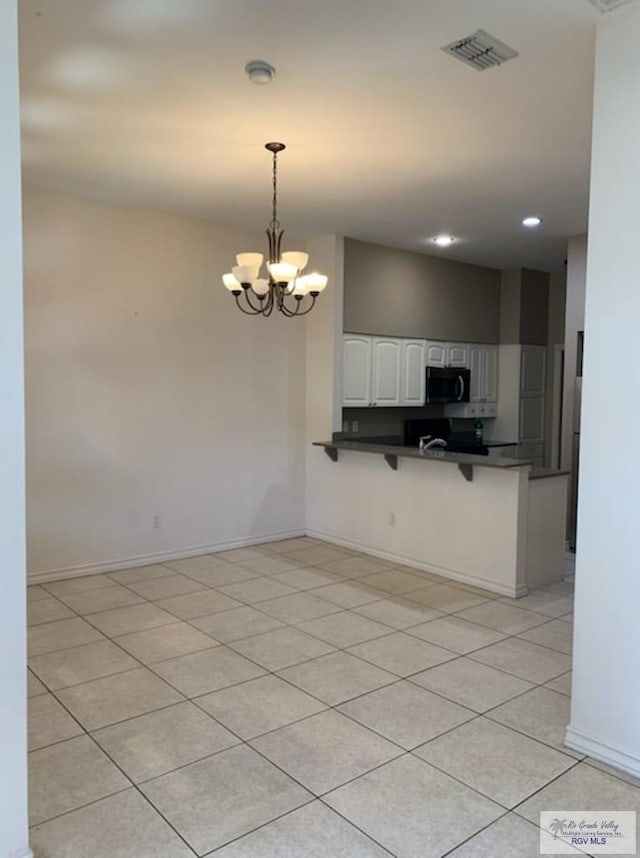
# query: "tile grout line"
268,672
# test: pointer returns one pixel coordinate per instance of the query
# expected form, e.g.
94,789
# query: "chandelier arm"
242,309
269,303
256,309
286,311
309,308
268,310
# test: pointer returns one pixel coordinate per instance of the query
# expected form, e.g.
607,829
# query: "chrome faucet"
426,442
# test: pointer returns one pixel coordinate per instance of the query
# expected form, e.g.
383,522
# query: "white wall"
149,393
425,514
13,739
605,711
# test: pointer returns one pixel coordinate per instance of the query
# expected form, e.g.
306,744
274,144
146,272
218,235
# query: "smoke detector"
481,50
260,72
608,5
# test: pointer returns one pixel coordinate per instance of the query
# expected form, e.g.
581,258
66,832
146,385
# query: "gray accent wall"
534,307
398,293
524,307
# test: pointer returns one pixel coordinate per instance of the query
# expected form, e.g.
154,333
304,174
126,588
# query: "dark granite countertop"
398,440
395,448
538,473
500,462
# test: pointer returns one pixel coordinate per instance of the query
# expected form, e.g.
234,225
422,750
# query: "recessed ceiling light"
443,240
531,221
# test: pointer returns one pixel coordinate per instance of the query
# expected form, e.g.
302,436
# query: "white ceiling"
389,139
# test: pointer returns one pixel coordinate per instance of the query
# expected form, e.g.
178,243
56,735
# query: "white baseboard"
578,741
453,574
162,557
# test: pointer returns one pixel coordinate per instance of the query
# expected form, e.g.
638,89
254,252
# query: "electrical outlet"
156,522
345,425
355,426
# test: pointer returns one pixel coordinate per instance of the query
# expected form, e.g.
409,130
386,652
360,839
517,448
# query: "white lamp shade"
300,286
295,257
231,283
260,287
282,272
246,273
316,282
254,260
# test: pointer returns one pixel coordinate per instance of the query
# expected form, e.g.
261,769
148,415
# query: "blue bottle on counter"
477,431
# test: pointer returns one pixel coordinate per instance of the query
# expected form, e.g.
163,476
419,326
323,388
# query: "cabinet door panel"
476,366
532,419
490,373
458,355
436,353
356,377
386,371
532,371
413,372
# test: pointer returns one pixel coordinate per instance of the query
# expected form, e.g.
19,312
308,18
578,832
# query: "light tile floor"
298,699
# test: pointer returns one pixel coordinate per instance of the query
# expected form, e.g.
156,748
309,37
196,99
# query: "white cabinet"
436,353
385,389
412,365
458,355
490,374
483,364
356,372
532,394
383,371
476,367
532,419
532,370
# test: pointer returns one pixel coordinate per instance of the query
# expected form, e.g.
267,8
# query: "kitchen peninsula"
496,523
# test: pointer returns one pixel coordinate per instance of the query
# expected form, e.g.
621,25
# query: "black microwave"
446,384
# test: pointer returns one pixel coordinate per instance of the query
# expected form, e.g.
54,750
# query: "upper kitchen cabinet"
383,371
356,371
458,355
490,373
447,354
387,355
436,353
483,363
412,382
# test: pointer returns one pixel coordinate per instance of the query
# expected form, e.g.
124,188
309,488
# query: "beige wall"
399,293
149,393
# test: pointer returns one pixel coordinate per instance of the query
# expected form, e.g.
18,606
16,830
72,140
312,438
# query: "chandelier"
285,288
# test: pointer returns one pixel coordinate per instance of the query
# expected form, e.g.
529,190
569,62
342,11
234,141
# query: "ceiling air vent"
481,50
608,5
